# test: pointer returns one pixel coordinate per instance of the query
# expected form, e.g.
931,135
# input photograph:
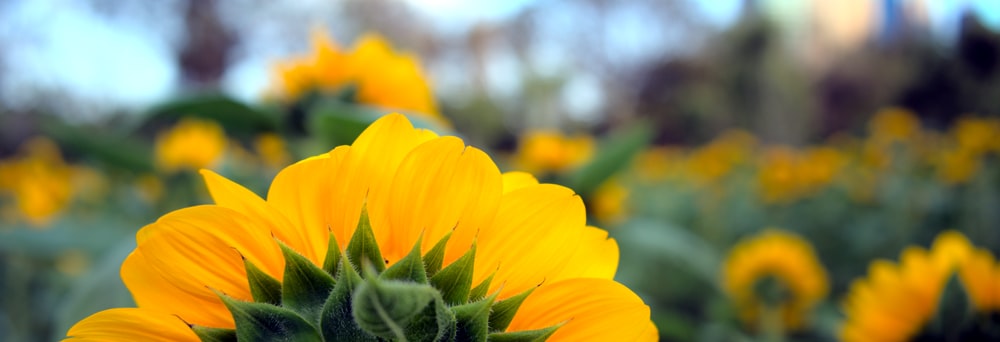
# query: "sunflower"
190,145
911,300
402,233
39,181
372,73
774,273
546,151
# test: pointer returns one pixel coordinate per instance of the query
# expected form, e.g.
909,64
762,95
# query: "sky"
126,62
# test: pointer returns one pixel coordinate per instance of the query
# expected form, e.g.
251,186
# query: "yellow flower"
657,163
380,76
190,145
39,181
778,271
897,301
977,135
542,152
610,203
712,162
957,166
272,150
894,125
410,190
778,175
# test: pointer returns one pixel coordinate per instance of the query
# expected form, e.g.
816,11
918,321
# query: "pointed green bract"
306,286
435,257
455,281
263,287
479,291
474,319
411,267
363,245
524,336
503,311
207,334
337,318
266,322
384,307
332,259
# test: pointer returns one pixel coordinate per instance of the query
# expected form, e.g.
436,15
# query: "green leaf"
208,334
237,117
266,322
474,319
504,310
332,259
263,287
411,267
613,155
479,291
337,320
306,287
363,245
524,336
455,281
112,149
435,257
384,307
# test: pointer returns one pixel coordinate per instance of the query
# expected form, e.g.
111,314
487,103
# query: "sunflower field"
564,171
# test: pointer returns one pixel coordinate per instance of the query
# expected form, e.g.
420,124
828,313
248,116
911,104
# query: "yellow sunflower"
897,302
423,232
774,273
39,181
190,145
546,151
375,73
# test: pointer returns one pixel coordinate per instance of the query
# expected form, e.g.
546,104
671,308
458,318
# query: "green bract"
354,297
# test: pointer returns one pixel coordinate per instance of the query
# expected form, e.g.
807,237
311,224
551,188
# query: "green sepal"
209,334
473,319
337,319
384,308
479,291
455,281
954,310
538,335
263,287
504,310
266,322
306,287
411,267
436,323
435,257
332,259
363,245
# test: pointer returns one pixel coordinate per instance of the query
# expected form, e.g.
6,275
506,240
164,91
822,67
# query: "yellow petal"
151,291
516,180
228,194
443,186
131,324
592,310
596,256
536,232
368,168
301,192
199,249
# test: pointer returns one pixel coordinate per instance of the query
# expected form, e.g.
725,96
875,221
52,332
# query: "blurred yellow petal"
131,324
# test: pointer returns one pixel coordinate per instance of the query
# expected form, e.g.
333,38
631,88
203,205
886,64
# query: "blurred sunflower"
908,301
543,152
372,73
774,278
38,180
191,144
447,224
